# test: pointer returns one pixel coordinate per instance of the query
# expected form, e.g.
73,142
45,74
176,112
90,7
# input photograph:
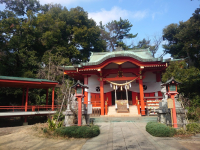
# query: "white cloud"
115,13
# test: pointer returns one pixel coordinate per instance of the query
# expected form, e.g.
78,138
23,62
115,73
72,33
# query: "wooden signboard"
89,109
170,103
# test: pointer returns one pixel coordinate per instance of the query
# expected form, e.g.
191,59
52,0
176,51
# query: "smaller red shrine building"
129,78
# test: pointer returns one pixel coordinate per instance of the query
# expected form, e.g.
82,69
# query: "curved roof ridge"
139,54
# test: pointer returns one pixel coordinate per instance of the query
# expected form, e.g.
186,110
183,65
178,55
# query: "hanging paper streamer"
121,88
151,87
110,85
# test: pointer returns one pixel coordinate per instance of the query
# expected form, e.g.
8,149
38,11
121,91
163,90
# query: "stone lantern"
171,91
79,94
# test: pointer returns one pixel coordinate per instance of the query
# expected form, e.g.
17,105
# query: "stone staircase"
113,113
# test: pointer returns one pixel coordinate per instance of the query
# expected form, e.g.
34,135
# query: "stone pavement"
129,136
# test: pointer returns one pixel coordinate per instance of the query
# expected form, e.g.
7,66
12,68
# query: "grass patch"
160,130
193,128
78,131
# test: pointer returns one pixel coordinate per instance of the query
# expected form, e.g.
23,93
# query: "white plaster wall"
149,81
149,77
93,79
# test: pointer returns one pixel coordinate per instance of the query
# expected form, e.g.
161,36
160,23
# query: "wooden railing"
94,103
152,103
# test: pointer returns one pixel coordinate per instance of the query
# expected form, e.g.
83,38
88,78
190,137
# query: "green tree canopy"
183,39
21,7
189,78
26,43
42,40
115,31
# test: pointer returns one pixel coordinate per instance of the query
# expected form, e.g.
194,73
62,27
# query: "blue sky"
148,17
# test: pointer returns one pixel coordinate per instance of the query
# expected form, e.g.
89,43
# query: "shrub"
180,131
78,131
52,124
193,127
45,130
160,130
61,117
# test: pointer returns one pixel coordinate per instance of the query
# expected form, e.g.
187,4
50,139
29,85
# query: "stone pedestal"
71,120
164,114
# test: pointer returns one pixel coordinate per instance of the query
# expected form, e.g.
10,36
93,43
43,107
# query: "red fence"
30,108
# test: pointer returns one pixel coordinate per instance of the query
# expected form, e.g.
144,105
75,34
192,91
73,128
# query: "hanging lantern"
113,87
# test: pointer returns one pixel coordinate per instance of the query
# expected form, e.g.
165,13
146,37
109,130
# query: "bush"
45,130
55,116
180,131
78,131
52,124
193,128
160,130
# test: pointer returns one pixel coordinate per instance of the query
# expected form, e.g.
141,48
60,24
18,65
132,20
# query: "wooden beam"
119,78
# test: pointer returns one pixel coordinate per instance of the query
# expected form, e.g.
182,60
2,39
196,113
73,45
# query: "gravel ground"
23,138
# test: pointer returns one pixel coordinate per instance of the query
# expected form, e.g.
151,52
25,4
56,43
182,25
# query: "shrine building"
123,81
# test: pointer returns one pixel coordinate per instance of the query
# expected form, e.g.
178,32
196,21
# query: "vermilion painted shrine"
121,80
26,84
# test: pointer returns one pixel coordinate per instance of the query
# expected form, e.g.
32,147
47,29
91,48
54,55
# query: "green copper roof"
138,54
143,55
170,80
25,79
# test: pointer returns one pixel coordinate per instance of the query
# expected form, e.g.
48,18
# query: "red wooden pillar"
102,96
47,94
52,99
79,111
174,112
23,98
141,97
26,103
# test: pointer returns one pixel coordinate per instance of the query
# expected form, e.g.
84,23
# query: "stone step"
124,118
121,113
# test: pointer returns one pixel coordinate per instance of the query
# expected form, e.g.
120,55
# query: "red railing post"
53,98
26,104
47,97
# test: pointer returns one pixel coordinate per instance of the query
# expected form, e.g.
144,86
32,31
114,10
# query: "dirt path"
191,143
21,138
